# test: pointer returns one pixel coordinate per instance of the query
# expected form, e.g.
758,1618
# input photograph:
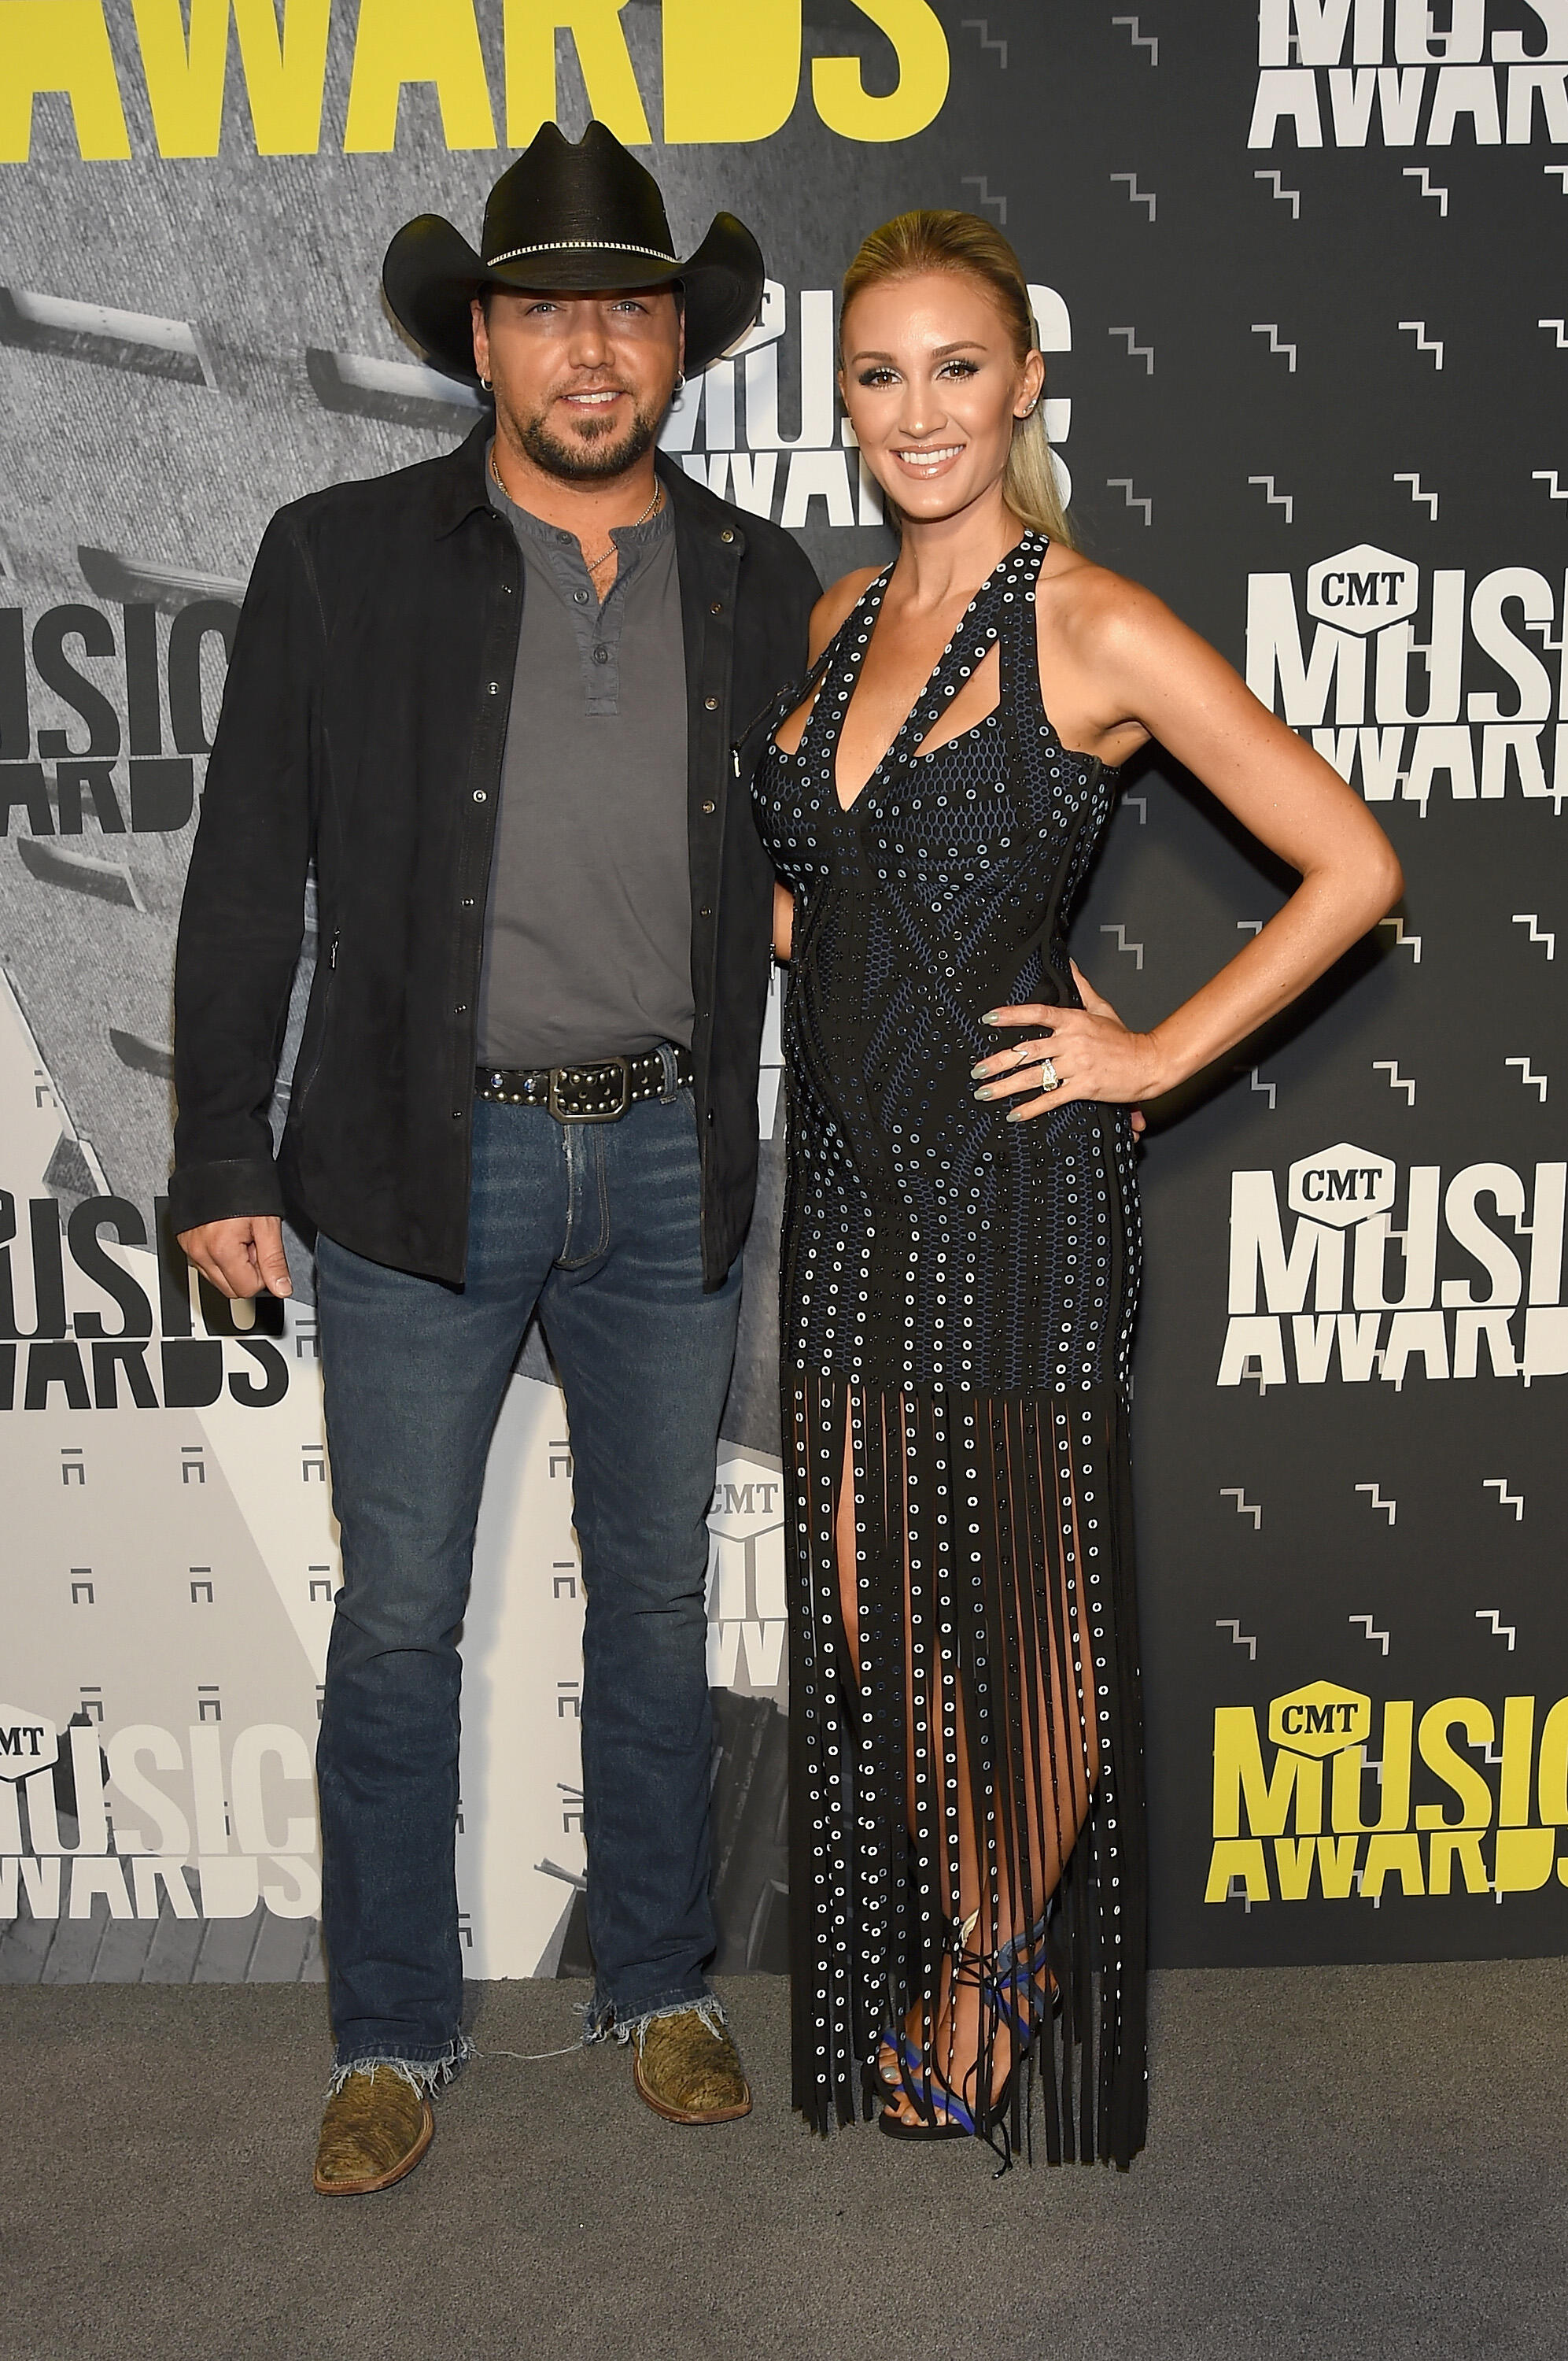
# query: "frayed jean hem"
604,2022
426,2074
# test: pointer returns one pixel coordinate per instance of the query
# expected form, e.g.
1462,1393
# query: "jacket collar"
460,479
461,489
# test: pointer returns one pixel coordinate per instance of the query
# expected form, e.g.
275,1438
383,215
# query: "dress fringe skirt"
990,1711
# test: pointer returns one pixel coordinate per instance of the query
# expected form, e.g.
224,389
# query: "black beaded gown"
957,1297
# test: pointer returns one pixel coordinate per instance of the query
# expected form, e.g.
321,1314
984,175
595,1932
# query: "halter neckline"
1010,580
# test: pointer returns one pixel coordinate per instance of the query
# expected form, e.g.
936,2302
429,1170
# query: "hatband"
586,245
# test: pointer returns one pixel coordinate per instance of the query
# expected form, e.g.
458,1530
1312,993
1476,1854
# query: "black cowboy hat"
577,218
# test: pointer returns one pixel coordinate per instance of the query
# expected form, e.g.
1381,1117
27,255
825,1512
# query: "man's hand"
242,1257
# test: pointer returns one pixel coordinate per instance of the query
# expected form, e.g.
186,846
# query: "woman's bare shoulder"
1094,608
836,603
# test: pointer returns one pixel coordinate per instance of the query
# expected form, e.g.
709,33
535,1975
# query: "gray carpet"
1341,2162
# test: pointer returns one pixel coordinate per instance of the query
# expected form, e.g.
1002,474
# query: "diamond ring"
1049,1077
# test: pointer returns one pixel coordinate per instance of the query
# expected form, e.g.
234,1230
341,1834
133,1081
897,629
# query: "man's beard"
590,459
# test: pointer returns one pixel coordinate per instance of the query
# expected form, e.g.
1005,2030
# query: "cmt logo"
28,1742
1341,1796
1362,588
1377,1276
1340,1185
1403,686
1321,1720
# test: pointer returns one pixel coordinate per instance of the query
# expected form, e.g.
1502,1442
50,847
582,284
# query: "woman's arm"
826,617
1166,680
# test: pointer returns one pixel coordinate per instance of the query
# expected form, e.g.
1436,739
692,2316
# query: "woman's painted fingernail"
992,1016
984,1093
1016,1115
975,1072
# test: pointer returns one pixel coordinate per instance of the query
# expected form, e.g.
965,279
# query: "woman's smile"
931,462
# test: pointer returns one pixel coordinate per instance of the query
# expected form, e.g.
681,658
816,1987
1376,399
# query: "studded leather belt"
599,1092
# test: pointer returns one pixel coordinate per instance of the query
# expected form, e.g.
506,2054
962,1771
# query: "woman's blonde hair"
971,248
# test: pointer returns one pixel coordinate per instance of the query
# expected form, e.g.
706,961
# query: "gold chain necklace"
593,564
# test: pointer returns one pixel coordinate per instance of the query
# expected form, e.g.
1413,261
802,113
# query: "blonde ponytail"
1030,484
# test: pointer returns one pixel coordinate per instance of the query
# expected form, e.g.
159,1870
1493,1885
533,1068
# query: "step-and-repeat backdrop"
1298,274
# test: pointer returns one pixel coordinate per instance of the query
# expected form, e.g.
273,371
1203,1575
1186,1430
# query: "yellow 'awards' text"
727,73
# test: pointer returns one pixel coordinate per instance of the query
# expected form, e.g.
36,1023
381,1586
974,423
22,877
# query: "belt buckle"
563,1113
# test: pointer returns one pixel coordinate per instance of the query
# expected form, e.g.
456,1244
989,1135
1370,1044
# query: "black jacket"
363,723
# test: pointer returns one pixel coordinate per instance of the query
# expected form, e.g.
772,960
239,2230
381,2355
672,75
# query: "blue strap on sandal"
955,2121
1015,1980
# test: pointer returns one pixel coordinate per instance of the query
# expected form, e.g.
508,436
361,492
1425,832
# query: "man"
494,698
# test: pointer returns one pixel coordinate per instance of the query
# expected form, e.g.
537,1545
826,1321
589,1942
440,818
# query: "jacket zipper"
297,1097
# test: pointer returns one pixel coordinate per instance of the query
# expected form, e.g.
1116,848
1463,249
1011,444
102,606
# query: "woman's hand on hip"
1089,1051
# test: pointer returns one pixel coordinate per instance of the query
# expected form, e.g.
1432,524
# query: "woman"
960,1253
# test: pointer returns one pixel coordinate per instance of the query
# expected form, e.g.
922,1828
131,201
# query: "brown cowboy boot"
687,2068
376,2128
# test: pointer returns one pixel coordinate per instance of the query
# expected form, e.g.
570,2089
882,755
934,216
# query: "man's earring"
486,382
680,381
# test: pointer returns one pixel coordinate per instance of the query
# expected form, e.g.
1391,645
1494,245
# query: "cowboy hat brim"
431,275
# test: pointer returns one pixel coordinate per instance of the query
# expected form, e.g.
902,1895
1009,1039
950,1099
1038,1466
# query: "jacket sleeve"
243,916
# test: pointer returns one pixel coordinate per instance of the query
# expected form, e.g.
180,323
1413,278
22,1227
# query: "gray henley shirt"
587,926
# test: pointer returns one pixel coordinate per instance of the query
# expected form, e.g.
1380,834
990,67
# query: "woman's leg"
1021,1800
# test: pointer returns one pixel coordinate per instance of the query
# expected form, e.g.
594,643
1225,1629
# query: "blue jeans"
597,1226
